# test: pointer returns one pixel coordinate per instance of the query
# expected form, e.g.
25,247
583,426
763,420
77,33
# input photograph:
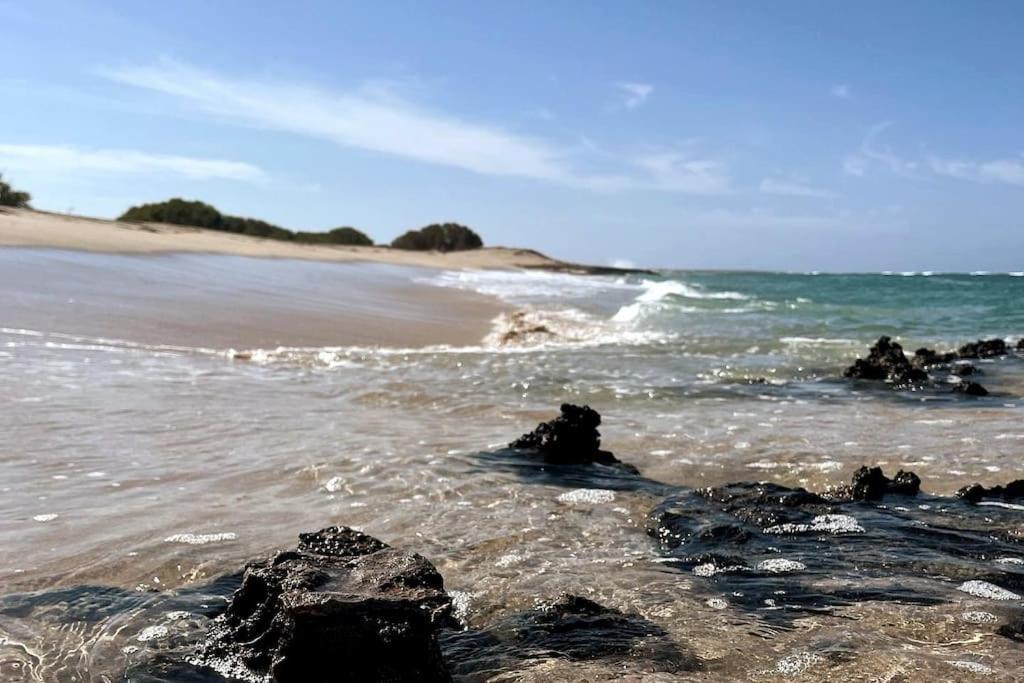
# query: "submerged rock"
976,492
570,439
924,358
570,628
983,348
886,361
343,606
970,389
762,544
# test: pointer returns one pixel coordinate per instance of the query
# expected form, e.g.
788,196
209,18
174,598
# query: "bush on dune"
439,237
200,215
347,236
11,197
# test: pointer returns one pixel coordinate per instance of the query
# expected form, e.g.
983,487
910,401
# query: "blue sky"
786,135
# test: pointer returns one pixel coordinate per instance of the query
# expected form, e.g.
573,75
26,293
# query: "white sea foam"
973,667
48,517
152,633
979,617
989,591
587,497
831,524
796,663
780,565
201,539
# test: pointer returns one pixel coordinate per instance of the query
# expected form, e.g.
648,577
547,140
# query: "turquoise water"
137,469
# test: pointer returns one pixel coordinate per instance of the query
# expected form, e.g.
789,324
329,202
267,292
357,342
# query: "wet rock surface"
786,550
344,606
976,493
928,368
571,438
886,361
572,628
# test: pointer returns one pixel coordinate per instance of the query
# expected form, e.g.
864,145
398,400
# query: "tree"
11,197
439,237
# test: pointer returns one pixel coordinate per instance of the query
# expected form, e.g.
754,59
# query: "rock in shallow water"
344,606
976,492
570,439
886,361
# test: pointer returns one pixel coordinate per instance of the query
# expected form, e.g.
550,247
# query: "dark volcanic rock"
344,606
976,492
1013,628
964,370
572,628
570,439
793,550
1020,344
872,484
983,348
924,358
970,389
886,361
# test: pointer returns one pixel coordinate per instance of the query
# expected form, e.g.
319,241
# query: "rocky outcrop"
342,606
983,348
927,368
976,492
1020,344
570,439
886,361
872,484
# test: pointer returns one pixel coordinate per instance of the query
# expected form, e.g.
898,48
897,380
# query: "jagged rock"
1020,344
344,606
886,361
983,348
976,492
924,358
872,484
570,439
970,389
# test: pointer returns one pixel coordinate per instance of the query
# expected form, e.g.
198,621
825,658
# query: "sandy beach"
27,228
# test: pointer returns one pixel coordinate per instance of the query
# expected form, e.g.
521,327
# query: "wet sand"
220,302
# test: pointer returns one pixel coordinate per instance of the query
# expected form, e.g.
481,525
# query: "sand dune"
26,228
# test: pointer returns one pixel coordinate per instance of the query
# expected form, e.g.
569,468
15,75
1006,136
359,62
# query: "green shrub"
346,236
439,237
199,215
177,212
11,197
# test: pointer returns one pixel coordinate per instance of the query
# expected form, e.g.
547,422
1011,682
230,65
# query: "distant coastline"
32,228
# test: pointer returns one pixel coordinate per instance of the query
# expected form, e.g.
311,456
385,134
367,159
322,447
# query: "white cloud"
379,120
635,94
675,172
873,152
842,91
62,158
1007,171
793,187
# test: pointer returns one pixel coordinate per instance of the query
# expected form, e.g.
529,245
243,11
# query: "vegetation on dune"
11,197
200,215
439,237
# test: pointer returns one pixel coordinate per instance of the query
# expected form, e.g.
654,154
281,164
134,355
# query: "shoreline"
223,301
40,229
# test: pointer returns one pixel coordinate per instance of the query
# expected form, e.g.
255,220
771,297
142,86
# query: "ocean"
135,473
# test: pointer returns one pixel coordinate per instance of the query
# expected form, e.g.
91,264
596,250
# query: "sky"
782,136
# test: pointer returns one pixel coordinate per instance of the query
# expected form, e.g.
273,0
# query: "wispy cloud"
675,172
61,158
379,119
1006,171
793,187
841,90
634,94
873,151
